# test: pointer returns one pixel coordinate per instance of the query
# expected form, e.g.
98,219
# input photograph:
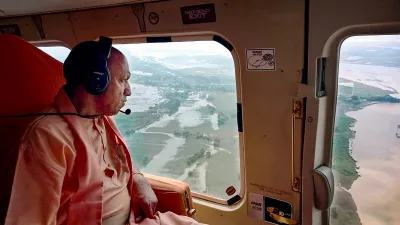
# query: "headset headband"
106,44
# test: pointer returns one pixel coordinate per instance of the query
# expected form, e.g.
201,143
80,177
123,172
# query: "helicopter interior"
252,104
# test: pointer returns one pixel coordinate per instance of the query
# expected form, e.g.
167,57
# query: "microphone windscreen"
127,111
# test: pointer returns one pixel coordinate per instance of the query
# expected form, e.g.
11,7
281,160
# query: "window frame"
188,37
326,105
50,43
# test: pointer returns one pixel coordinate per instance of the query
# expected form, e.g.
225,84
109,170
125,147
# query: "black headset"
98,76
96,80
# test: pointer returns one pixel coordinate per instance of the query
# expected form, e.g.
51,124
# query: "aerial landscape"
184,122
366,148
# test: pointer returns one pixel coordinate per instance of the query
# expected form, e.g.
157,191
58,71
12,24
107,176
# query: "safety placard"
260,59
198,14
270,210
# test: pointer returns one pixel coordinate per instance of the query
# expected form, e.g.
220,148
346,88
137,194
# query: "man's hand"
144,200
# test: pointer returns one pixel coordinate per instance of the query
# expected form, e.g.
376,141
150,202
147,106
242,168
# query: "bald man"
74,170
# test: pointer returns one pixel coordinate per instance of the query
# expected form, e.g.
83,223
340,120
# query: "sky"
162,50
373,40
157,50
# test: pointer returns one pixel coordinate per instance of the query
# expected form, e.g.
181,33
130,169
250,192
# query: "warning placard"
260,59
269,209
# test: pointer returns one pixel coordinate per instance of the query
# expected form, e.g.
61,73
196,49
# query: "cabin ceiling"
9,8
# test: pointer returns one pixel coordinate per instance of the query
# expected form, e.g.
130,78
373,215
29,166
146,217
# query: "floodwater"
377,151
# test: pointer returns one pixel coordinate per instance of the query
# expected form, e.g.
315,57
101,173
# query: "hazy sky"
162,50
59,53
373,40
157,50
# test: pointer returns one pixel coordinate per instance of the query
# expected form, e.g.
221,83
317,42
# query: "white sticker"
260,59
256,206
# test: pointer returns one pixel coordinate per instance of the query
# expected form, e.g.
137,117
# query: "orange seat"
30,79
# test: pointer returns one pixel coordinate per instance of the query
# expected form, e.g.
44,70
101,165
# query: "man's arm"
144,200
38,178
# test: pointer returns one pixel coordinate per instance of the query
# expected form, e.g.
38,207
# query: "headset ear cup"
97,74
97,83
97,80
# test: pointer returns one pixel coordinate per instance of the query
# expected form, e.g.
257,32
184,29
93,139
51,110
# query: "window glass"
366,145
183,123
58,52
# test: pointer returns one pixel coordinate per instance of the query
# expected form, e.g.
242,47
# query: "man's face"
115,96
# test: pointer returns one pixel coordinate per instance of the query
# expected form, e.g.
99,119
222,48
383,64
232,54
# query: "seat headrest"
29,78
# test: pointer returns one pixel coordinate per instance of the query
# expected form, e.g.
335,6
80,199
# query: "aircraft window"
366,152
58,52
183,123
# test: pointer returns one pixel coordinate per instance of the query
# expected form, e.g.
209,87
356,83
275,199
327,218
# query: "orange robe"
58,177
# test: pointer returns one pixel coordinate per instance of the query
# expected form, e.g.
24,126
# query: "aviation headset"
86,64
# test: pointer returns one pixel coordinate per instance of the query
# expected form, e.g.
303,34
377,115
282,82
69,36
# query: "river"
377,151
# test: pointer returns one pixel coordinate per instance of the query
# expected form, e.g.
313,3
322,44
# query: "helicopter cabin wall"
326,18
269,149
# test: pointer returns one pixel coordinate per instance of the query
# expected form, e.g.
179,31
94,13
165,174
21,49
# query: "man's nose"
127,91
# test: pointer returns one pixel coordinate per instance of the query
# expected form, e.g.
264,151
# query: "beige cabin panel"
114,21
59,27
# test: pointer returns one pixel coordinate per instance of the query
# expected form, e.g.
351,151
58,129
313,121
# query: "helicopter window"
366,151
183,123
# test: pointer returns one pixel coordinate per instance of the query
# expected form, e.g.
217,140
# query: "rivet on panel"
310,119
281,71
298,71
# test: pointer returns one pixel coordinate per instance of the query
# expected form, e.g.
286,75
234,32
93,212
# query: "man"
74,170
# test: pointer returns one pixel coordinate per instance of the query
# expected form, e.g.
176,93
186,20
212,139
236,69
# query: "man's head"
81,60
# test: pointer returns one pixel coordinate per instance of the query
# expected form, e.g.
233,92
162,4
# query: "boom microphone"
127,111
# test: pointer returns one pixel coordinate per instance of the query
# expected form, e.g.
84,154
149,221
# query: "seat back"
29,81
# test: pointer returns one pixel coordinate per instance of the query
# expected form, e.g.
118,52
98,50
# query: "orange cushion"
173,195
